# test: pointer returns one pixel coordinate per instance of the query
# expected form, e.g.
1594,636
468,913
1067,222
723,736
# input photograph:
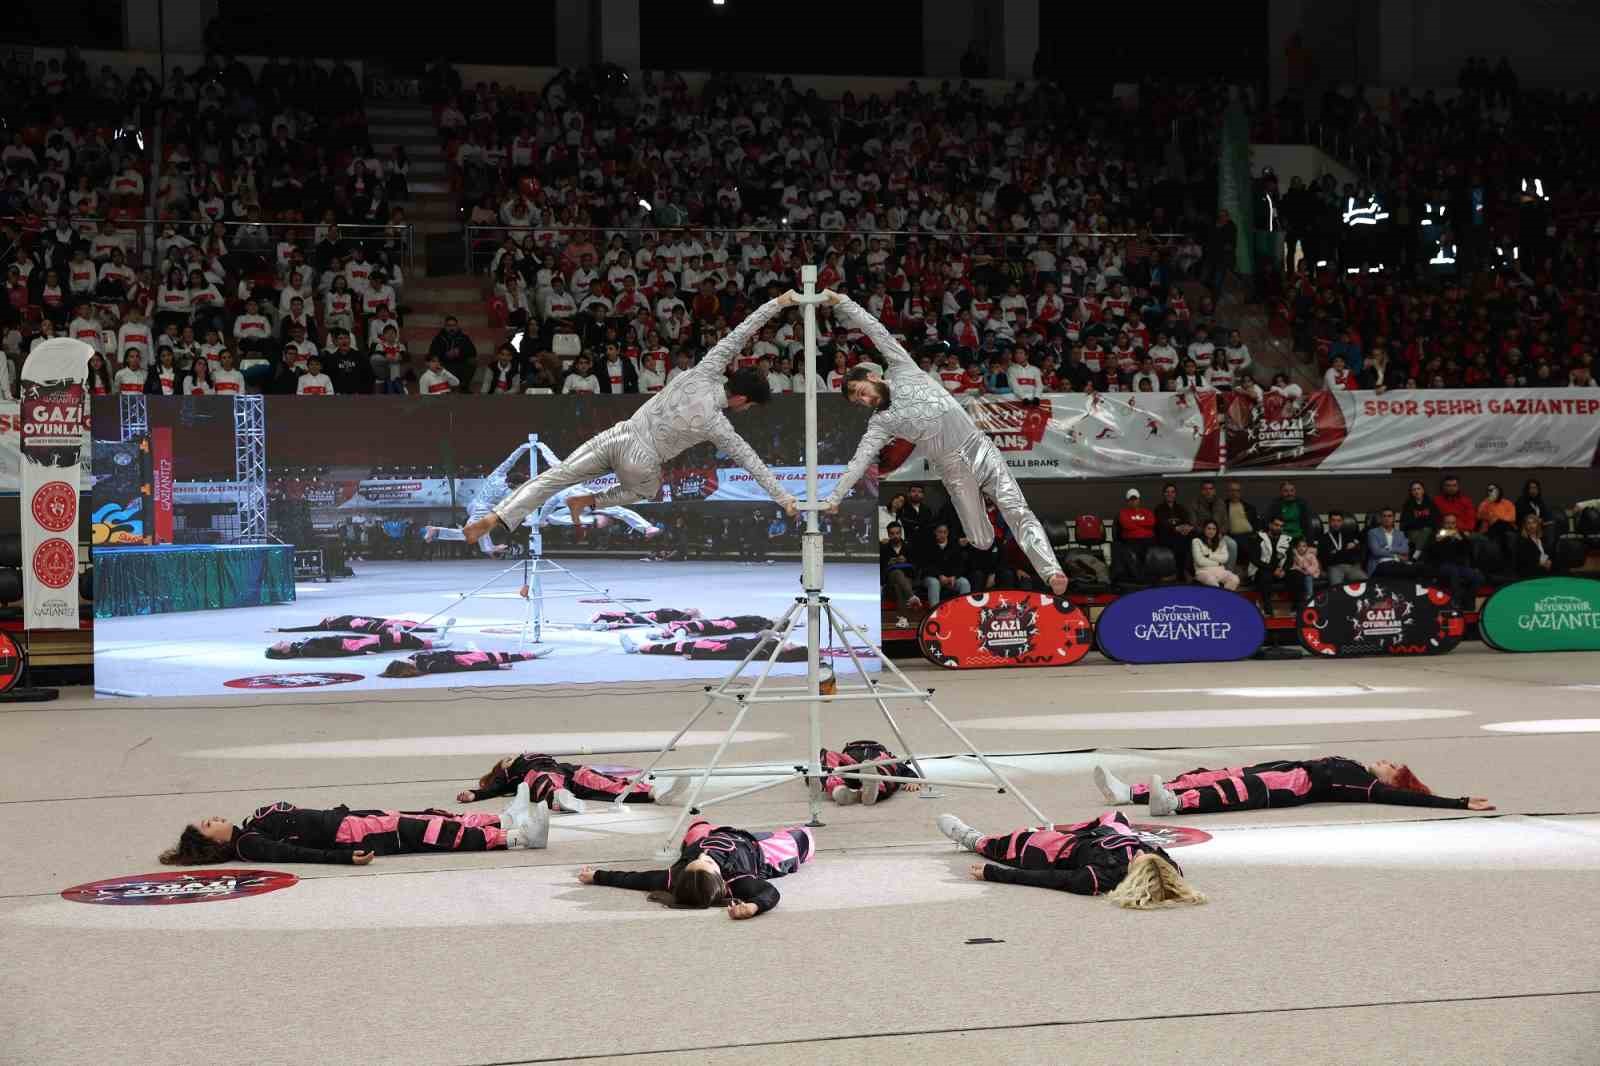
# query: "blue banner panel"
1182,624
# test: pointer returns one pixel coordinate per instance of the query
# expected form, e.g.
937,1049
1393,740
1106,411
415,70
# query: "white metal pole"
811,543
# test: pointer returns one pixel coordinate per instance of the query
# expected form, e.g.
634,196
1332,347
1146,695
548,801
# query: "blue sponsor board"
1182,624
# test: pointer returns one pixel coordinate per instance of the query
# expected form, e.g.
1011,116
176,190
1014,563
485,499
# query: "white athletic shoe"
564,800
844,795
515,838
535,827
519,807
628,644
1114,790
1163,801
869,787
662,791
964,835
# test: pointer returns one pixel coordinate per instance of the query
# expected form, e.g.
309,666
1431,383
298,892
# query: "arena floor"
194,653
1334,933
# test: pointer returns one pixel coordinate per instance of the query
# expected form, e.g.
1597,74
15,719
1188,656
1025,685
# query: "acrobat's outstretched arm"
715,363
873,441
876,332
722,433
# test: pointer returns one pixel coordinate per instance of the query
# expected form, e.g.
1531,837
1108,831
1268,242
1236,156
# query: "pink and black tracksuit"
739,623
343,647
544,775
359,623
1084,857
748,861
860,751
1287,783
282,832
718,648
456,662
618,619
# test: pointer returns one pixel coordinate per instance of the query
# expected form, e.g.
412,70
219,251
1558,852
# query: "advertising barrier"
1380,618
1543,614
54,425
999,629
1182,624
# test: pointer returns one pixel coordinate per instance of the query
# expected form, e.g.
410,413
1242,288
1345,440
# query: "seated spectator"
1175,529
1272,561
1299,520
1388,552
1340,549
1497,518
314,382
616,372
944,568
226,379
164,378
1306,568
1419,518
457,354
581,377
1531,559
132,377
1338,377
198,380
897,569
1211,556
1136,532
436,380
500,377
1532,502
1450,557
1451,500
1241,521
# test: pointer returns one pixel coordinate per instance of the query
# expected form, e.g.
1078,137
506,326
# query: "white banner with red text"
54,422
11,452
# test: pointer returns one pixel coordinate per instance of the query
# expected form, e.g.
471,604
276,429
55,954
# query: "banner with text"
1437,428
54,426
11,451
1074,435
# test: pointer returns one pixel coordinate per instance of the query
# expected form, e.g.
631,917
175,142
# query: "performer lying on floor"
719,865
554,512
615,618
849,790
359,623
1089,858
687,412
562,786
734,648
282,832
739,623
343,647
458,662
1283,783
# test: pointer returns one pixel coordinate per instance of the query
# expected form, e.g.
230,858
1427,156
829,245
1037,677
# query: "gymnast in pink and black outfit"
386,638
739,623
847,790
560,785
615,618
713,648
282,832
719,865
1282,783
1103,856
458,662
359,623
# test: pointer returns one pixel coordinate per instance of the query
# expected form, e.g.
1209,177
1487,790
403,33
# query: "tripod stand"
815,605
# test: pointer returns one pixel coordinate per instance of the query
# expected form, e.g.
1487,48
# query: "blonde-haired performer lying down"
1103,856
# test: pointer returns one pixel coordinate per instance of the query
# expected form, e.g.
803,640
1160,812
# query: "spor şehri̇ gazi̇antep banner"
54,417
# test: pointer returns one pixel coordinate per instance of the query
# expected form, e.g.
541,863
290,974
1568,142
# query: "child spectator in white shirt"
581,378
436,380
131,378
314,382
1024,378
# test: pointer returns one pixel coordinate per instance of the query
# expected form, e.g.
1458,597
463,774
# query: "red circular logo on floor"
302,680
55,506
11,662
198,886
1170,836
55,563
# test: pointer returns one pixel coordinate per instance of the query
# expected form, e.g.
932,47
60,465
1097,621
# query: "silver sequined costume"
922,412
685,413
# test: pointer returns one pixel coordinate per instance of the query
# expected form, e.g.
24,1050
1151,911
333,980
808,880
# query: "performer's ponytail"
1153,882
1404,778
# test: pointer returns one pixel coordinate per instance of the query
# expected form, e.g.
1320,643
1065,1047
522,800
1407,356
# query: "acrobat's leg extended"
980,469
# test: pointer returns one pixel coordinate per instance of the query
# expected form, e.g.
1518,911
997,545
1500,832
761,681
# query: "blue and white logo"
1186,625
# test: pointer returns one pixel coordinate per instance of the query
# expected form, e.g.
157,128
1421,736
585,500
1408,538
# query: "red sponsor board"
1003,629
161,468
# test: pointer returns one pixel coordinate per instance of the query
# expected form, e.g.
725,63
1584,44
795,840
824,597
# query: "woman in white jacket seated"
1212,556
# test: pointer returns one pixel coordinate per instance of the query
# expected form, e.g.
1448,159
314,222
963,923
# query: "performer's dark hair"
401,668
697,889
751,385
194,848
858,373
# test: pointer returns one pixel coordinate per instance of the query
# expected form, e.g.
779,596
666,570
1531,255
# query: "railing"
481,242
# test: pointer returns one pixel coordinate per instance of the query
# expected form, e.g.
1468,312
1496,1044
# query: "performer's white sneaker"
662,790
844,795
519,807
1115,791
869,787
1163,800
564,800
628,644
536,827
964,835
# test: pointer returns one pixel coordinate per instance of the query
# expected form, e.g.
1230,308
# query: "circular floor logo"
55,506
1168,837
55,563
12,662
301,680
197,886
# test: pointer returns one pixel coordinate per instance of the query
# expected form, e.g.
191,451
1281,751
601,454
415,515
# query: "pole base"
815,824
21,694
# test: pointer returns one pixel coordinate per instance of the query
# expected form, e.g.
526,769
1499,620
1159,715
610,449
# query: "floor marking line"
1051,1025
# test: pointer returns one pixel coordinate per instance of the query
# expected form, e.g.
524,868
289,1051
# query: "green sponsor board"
1544,614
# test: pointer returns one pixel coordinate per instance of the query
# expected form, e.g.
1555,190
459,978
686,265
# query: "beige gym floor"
1335,934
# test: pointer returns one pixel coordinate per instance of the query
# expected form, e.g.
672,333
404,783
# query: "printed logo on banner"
301,680
1004,629
1283,431
1168,837
1544,614
55,563
165,889
12,662
55,506
1193,624
1381,618
1013,426
1007,629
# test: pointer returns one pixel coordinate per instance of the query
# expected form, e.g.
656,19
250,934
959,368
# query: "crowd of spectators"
1283,549
278,240
654,217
